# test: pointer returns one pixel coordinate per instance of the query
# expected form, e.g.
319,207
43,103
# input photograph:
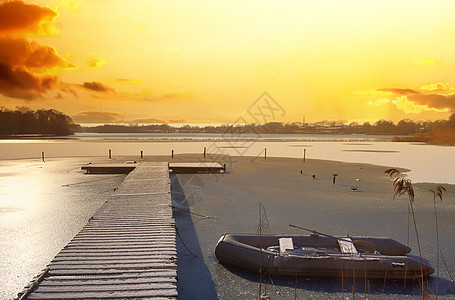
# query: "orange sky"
207,61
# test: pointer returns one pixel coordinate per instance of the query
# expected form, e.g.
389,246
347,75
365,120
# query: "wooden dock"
196,168
175,168
109,168
127,250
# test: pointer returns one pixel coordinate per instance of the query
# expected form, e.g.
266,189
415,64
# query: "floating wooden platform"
175,168
197,167
127,250
109,168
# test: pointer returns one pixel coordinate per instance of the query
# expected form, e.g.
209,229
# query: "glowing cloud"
411,101
399,91
23,65
409,107
96,86
29,55
27,69
379,102
19,83
439,87
435,101
94,63
98,117
19,19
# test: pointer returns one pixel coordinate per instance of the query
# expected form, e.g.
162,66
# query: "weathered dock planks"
127,250
197,167
109,168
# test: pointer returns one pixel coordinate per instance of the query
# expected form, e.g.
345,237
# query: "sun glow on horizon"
206,61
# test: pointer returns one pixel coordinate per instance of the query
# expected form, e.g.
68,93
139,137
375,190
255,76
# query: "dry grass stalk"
401,186
437,193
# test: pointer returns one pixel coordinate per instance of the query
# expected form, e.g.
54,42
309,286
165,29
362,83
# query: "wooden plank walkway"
197,167
127,250
109,168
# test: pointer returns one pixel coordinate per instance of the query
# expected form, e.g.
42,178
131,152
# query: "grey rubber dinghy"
320,255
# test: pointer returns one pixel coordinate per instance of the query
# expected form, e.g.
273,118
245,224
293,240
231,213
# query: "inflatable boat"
317,255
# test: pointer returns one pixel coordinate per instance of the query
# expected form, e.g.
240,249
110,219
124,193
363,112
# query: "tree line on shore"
404,127
53,122
39,122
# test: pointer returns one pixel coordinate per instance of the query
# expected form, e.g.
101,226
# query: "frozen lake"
426,163
43,205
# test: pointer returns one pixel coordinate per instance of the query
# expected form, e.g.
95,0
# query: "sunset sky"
147,61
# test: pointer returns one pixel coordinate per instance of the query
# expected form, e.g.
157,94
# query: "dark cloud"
17,82
23,63
98,117
96,86
398,91
20,19
434,100
29,55
68,88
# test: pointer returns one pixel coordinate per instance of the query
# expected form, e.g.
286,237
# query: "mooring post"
205,151
265,153
334,176
172,153
42,156
304,155
110,153
142,154
224,168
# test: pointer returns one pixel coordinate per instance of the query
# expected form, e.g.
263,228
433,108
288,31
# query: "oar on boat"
365,245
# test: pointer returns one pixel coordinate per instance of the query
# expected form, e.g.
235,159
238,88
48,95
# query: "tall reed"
401,186
437,193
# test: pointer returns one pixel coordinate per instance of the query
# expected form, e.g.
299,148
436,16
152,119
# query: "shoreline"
222,150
